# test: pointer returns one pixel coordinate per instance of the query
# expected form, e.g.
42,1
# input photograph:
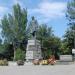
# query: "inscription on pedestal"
33,50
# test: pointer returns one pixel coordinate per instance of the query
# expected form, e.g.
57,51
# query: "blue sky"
51,12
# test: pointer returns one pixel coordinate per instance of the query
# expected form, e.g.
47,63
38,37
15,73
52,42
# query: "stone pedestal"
33,50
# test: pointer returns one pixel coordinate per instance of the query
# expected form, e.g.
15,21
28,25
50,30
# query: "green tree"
20,55
44,32
14,26
70,33
50,44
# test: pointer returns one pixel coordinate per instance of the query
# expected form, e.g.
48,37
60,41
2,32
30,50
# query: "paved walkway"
38,70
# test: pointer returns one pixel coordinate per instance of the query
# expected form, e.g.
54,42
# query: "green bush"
19,55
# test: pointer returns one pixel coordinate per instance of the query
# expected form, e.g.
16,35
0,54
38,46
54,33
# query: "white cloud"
49,10
52,8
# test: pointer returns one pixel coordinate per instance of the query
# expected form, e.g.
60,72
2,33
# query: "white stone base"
12,63
33,50
28,63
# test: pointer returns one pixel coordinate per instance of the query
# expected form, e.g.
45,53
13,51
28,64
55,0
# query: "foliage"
19,55
14,29
70,32
64,49
14,26
6,51
44,33
15,33
50,44
9,51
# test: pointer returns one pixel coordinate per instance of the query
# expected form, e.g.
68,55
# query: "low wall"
66,58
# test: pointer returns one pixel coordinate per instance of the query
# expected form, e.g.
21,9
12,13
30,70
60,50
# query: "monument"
33,50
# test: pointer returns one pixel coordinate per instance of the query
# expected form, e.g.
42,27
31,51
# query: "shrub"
19,55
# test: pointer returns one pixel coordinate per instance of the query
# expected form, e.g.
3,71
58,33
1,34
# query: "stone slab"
66,58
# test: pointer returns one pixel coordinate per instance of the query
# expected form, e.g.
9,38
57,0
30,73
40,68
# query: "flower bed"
3,62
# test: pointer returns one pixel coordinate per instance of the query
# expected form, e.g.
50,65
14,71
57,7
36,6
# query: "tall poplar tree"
14,27
70,32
